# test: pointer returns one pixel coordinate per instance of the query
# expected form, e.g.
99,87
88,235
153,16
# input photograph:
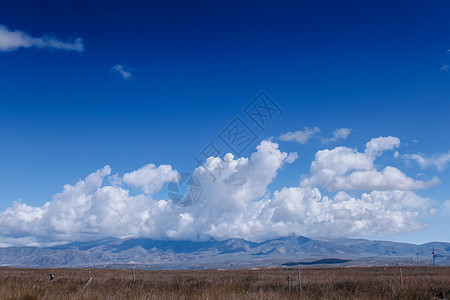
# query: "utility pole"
417,254
434,257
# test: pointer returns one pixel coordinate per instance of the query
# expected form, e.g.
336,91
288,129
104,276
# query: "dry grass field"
317,283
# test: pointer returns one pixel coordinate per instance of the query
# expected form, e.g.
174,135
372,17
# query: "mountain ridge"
149,253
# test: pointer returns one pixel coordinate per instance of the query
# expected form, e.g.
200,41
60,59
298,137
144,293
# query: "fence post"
89,281
299,280
401,277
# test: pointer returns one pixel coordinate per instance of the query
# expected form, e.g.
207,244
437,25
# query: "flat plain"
266,283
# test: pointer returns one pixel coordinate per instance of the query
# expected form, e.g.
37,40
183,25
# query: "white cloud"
293,156
235,203
389,178
11,40
123,72
376,146
150,178
344,168
439,161
446,207
301,136
306,211
340,133
445,68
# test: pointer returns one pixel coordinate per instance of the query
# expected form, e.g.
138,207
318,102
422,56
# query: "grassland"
317,283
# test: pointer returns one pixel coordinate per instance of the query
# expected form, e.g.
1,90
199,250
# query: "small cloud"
122,71
396,154
445,68
446,206
301,136
340,133
291,157
11,40
438,161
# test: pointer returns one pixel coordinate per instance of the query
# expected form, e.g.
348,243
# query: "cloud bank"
237,203
11,40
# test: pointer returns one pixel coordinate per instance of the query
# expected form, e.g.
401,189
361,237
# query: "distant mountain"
232,253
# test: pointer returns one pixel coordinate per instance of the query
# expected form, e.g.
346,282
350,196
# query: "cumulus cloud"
340,133
11,40
301,136
384,213
150,178
376,146
123,72
439,161
344,168
235,203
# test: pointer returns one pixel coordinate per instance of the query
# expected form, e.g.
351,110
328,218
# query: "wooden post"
134,276
289,281
401,277
299,280
89,281
434,258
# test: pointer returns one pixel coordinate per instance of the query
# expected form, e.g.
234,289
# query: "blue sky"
378,68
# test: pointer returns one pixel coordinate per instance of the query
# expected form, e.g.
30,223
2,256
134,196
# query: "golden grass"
317,283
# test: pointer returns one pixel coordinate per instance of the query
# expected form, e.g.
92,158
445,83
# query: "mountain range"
147,253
